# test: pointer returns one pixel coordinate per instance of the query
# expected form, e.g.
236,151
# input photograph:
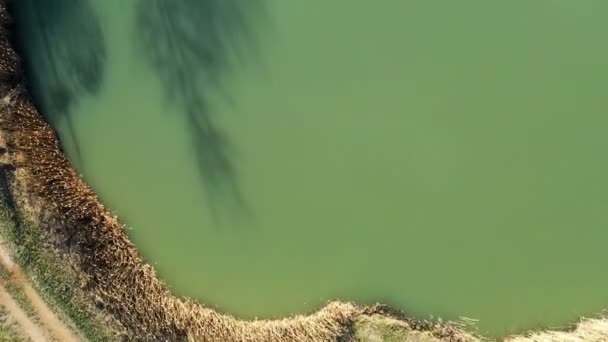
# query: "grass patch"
377,328
54,280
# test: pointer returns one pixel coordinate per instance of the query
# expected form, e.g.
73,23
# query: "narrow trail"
47,317
29,328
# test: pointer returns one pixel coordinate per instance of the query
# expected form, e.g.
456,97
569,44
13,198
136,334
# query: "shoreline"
58,217
79,257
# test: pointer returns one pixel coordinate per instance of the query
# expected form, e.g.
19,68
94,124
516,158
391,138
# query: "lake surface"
448,158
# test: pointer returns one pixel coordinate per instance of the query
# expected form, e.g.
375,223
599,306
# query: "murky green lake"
449,158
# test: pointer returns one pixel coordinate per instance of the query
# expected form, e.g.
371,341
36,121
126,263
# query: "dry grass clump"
588,329
393,318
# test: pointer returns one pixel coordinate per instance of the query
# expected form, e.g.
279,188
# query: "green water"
448,158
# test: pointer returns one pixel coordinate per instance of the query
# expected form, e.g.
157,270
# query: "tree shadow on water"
64,55
191,45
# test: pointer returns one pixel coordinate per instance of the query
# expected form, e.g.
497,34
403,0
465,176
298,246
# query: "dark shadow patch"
64,55
191,45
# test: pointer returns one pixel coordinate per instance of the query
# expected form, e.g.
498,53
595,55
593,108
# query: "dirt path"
47,317
29,328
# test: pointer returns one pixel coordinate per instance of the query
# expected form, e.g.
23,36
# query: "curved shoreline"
50,196
64,236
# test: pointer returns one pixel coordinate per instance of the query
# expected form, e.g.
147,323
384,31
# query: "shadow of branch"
64,55
191,45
